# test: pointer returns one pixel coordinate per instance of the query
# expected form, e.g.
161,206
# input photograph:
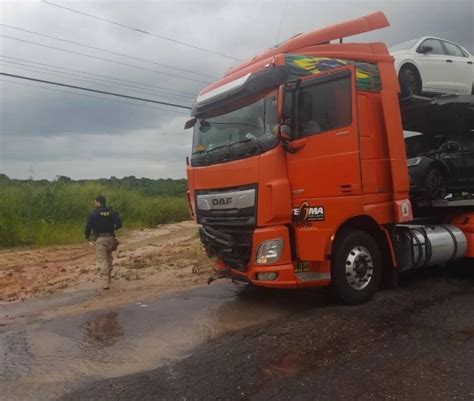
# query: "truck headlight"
414,161
269,251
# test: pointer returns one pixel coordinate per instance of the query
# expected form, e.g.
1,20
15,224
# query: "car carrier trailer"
298,175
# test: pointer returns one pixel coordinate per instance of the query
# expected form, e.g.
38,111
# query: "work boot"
109,280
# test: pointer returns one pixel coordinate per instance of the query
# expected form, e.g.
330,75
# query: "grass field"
54,213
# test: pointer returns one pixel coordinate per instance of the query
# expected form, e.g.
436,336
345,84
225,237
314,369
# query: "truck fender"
381,235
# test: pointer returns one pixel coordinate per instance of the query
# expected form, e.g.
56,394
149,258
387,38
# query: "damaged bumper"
238,254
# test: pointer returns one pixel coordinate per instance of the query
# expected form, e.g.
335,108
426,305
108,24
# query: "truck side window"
323,107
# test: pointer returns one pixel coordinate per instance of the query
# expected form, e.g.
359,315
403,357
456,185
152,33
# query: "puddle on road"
288,366
50,358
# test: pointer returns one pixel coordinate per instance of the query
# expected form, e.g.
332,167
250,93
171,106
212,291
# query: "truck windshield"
236,134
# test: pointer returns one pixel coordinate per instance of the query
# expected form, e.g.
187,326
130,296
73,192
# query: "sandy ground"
148,262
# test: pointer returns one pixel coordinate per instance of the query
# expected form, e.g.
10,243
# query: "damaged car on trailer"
436,172
440,147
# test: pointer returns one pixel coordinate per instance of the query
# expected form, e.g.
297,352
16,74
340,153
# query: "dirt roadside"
149,262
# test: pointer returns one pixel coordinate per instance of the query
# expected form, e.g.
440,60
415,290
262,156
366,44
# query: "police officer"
101,227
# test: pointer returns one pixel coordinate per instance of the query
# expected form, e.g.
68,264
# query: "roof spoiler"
353,27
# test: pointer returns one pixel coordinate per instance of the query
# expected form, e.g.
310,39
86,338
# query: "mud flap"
224,273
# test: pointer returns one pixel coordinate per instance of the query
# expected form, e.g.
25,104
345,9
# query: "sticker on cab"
305,213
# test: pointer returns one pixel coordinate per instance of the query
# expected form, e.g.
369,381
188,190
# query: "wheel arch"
439,165
382,237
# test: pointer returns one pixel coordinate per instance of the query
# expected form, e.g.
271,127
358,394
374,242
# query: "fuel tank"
429,245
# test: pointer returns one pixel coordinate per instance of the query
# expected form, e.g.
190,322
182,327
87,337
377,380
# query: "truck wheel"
355,267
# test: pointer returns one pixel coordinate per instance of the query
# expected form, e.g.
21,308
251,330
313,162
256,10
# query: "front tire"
356,266
409,82
435,184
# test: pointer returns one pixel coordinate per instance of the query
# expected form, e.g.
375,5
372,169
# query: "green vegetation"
40,213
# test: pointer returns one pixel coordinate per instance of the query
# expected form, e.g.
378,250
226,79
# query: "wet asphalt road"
222,343
413,343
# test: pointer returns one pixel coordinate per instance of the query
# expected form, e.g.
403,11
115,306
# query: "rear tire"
355,267
409,82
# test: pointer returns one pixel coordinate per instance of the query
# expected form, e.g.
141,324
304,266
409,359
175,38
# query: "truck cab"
298,173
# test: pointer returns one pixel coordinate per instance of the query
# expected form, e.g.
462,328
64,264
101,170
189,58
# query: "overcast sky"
60,131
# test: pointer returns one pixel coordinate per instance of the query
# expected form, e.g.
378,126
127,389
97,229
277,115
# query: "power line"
281,21
107,51
141,31
95,90
104,59
93,97
25,67
191,95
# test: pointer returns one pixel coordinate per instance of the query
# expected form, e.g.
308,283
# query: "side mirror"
284,131
425,49
190,123
290,144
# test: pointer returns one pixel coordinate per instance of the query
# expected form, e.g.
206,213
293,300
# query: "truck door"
324,128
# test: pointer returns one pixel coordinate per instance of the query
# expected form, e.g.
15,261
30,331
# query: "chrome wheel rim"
359,268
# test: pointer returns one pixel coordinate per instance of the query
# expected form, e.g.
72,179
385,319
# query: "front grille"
233,248
231,218
227,229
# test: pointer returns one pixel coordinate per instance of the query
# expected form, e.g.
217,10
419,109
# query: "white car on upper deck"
433,65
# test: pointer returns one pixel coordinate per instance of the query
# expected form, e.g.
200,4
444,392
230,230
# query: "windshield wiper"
255,141
219,147
209,124
207,151
230,146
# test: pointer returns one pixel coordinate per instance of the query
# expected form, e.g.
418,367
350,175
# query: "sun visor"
239,92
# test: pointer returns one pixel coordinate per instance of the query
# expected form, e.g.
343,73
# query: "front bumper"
289,274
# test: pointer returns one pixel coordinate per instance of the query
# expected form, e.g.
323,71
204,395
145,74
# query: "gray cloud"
88,155
60,133
47,113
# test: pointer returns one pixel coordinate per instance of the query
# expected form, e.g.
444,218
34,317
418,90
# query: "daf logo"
227,200
221,201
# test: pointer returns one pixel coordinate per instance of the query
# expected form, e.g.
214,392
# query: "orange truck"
298,175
